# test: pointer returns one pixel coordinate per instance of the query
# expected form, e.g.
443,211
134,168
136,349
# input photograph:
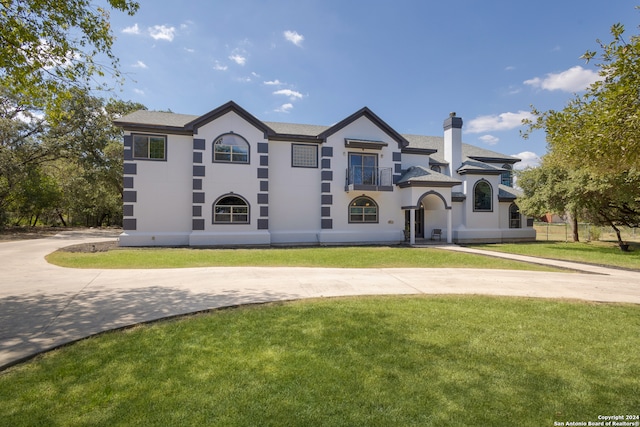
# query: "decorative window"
482,197
363,210
304,156
514,216
231,148
436,168
231,210
507,176
151,147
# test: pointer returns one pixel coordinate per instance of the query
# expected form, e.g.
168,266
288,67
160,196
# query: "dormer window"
507,176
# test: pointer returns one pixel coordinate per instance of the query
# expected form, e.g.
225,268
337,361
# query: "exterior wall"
160,214
170,202
479,226
435,212
220,179
336,227
409,160
294,197
523,233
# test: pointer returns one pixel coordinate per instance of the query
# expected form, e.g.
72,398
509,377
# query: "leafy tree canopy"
47,46
592,168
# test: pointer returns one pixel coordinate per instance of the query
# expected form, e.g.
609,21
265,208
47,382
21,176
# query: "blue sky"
410,61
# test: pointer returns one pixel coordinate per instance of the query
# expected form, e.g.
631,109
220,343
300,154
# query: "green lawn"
374,361
601,253
338,257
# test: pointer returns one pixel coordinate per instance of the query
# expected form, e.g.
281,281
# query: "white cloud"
504,121
489,139
294,37
510,68
140,64
574,79
238,59
290,93
189,50
529,160
220,67
284,108
162,32
138,91
275,82
132,30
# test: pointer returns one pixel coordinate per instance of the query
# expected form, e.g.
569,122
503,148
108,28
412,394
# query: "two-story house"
228,178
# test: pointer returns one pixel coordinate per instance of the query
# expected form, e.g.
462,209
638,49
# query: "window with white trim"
363,210
304,156
150,147
515,220
231,148
231,209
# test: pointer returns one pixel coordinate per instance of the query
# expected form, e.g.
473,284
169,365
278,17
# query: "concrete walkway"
43,306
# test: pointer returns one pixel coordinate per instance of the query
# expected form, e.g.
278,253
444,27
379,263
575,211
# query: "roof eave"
141,127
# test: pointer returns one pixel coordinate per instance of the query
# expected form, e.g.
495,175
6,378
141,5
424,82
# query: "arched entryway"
429,217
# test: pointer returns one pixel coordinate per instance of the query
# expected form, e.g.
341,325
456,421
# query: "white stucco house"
228,178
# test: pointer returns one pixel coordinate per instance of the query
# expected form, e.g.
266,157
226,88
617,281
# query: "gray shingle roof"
470,165
422,174
507,193
173,120
296,129
156,118
468,151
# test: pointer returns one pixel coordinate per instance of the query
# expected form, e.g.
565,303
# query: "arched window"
230,148
514,216
507,176
231,209
363,210
482,197
436,168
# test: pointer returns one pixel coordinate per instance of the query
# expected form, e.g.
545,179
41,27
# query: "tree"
596,140
550,188
47,46
90,167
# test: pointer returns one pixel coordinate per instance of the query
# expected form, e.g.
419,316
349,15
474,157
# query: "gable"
224,109
369,115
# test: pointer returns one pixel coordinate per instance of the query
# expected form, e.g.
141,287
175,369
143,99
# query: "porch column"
449,222
412,226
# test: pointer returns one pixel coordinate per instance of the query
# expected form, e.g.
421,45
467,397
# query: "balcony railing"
369,178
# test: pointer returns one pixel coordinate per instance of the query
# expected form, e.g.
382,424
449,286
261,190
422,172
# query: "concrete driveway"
43,306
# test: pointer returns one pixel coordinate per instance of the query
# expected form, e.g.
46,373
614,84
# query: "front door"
419,222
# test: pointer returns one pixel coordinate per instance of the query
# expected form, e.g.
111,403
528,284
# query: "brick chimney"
453,143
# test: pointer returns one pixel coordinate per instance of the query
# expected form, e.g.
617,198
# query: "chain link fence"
561,232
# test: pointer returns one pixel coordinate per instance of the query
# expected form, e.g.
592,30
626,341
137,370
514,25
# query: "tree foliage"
594,144
47,46
64,163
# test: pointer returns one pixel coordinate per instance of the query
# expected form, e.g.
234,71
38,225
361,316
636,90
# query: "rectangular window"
153,147
304,156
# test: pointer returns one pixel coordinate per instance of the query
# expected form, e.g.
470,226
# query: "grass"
601,253
334,257
374,361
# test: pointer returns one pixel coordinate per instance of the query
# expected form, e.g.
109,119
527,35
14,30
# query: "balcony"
369,178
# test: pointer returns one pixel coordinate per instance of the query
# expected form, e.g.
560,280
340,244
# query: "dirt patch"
27,233
91,247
